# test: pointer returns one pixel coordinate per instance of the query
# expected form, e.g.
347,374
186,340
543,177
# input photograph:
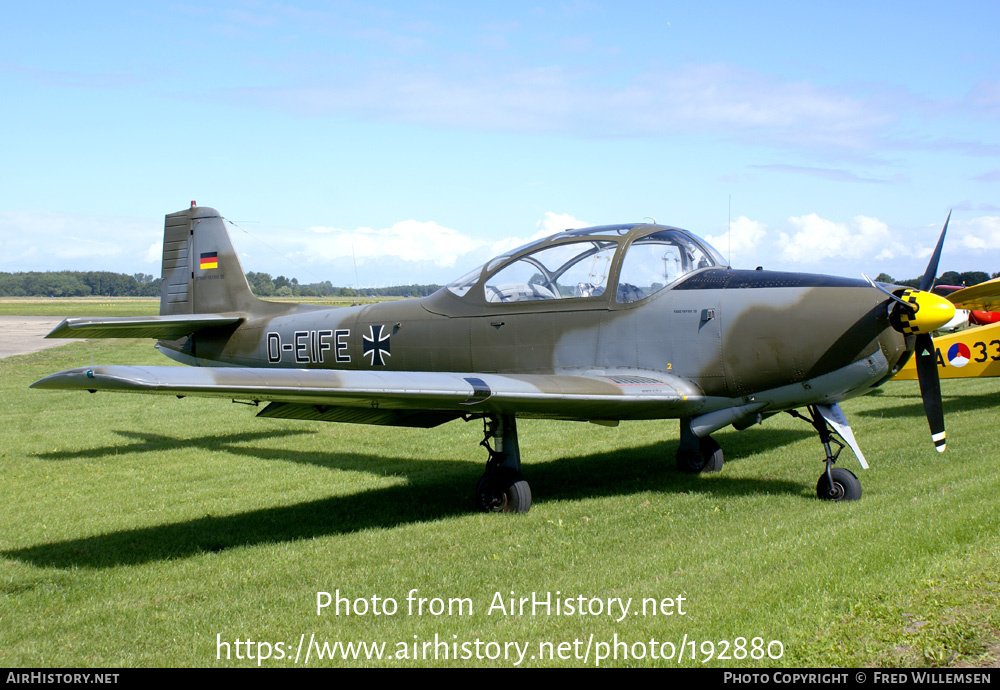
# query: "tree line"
263,285
965,279
78,284
107,284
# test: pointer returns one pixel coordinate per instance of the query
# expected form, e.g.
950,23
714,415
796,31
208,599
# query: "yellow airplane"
972,352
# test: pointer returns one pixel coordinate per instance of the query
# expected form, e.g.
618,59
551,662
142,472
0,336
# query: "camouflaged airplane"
601,324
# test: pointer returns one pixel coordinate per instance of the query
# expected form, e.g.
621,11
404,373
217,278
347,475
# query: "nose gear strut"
836,483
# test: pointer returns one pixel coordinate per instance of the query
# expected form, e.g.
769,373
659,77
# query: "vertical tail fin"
201,272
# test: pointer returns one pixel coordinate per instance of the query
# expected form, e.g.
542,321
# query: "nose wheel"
838,484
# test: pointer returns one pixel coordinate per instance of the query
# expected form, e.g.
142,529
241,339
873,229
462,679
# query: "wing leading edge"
985,296
330,395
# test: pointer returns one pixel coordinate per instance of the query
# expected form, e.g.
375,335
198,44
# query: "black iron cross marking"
376,345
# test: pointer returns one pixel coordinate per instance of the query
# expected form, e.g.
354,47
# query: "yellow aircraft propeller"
918,313
971,352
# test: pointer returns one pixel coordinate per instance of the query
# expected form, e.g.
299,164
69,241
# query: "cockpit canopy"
636,261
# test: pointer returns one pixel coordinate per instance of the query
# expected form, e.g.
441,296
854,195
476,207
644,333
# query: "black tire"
846,486
709,457
712,452
518,497
503,491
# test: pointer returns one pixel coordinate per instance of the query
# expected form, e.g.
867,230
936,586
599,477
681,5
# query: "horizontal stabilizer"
160,327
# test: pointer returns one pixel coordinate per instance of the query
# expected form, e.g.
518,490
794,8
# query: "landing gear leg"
695,454
502,489
836,483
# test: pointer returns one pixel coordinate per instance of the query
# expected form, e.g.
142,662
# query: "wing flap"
557,396
159,327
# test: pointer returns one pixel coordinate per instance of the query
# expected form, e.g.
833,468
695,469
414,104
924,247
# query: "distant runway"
20,335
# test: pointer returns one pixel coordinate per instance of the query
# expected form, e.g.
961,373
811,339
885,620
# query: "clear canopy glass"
656,261
578,264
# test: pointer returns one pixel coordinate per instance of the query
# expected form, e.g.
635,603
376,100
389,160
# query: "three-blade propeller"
920,312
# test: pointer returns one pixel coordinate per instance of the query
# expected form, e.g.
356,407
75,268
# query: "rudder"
201,273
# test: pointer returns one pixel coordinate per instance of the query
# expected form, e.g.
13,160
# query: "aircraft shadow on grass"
433,491
952,404
158,443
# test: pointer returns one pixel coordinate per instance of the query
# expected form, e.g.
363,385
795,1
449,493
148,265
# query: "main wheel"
708,458
846,486
503,491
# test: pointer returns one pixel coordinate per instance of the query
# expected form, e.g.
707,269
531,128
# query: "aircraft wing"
403,398
968,353
160,327
984,297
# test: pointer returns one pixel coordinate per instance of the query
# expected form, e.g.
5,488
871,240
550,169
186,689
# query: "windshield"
570,269
461,286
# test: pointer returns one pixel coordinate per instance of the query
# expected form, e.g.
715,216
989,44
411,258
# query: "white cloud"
427,251
46,241
155,252
552,223
408,246
740,243
980,233
826,174
409,250
694,98
714,96
410,240
549,224
817,239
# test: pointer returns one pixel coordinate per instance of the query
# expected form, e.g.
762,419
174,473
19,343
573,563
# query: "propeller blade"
927,282
930,388
888,294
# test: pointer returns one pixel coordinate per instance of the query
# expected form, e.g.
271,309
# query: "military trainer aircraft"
969,352
600,324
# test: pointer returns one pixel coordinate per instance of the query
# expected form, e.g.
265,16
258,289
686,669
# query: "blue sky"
417,138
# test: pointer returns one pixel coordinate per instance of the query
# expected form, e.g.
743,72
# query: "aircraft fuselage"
734,333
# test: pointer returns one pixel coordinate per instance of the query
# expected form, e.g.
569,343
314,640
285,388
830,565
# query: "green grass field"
144,530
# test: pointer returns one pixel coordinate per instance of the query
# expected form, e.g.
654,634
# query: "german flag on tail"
210,260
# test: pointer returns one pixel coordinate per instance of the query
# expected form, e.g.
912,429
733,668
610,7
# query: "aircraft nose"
927,312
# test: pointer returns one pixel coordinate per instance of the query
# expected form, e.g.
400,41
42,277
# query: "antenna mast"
729,229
